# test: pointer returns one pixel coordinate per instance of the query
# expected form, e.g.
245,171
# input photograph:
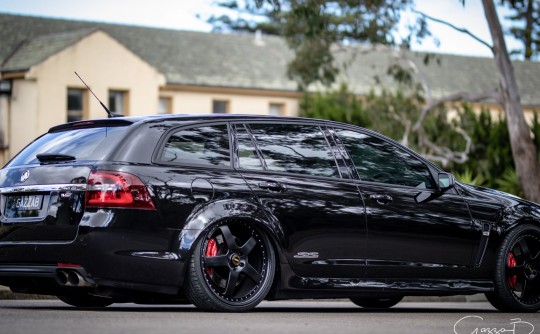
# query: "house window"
165,105
76,104
276,109
220,107
118,102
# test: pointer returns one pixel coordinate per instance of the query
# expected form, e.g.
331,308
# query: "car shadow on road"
133,308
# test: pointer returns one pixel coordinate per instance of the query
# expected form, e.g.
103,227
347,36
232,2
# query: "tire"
379,303
231,269
86,300
517,272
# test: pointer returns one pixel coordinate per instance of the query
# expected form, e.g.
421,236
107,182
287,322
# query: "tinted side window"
380,161
205,145
300,149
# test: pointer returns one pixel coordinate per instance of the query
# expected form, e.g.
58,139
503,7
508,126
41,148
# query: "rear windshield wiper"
53,157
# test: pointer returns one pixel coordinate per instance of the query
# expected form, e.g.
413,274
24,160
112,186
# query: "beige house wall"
23,116
189,102
4,128
105,65
40,100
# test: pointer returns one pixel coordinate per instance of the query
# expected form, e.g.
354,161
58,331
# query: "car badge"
25,175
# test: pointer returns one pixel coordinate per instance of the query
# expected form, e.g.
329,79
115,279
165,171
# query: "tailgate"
42,203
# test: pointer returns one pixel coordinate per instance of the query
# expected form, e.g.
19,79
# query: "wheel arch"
499,233
217,212
523,220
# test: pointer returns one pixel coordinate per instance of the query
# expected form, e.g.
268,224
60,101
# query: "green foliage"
468,177
508,182
491,153
340,105
248,17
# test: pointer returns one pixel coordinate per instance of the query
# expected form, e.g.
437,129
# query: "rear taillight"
117,190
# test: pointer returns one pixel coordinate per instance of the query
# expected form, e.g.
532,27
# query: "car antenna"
109,113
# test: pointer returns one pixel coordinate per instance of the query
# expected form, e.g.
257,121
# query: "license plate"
24,203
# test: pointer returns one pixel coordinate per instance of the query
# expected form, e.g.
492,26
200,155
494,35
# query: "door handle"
381,199
273,186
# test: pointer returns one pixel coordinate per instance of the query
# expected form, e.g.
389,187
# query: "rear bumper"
103,259
59,274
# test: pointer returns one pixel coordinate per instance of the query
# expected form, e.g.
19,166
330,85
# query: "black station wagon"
225,211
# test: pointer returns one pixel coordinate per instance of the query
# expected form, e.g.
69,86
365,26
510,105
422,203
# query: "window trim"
156,156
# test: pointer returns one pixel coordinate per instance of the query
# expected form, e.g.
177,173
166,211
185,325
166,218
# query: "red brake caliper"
211,250
512,264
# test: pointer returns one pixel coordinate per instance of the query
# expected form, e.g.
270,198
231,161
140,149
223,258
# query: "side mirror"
445,181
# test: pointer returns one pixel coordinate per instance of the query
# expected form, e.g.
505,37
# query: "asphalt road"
332,317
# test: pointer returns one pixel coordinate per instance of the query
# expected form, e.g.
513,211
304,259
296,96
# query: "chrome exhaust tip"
75,279
62,277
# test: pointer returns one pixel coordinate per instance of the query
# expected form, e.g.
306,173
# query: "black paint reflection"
299,149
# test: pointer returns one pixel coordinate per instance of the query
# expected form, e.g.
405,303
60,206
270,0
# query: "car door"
292,170
414,230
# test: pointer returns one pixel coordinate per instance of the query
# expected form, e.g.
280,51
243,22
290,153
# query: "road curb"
7,294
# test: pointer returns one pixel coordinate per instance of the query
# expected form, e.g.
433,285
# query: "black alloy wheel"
517,273
86,300
232,268
380,303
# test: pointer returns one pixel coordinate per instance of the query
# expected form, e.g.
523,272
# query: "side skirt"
409,285
311,287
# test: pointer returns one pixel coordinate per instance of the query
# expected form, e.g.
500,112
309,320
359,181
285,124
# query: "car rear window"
83,144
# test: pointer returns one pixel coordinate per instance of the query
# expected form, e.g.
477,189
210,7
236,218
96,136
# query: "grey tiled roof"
238,61
38,49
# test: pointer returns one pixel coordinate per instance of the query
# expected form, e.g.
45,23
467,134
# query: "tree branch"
462,96
444,154
463,30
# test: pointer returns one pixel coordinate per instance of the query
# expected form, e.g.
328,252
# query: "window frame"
125,100
156,156
169,100
321,126
227,106
431,168
84,103
281,107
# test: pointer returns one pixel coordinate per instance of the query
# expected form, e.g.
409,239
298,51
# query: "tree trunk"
523,148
